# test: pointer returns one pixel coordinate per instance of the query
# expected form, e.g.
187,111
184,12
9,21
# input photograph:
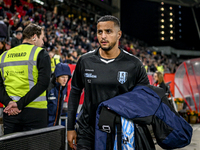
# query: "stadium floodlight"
170,8
171,31
171,14
171,37
162,15
162,38
170,19
162,20
162,8
162,32
171,26
162,3
162,26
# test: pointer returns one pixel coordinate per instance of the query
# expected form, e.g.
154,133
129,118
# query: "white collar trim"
107,61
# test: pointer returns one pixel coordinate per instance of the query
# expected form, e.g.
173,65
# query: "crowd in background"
68,37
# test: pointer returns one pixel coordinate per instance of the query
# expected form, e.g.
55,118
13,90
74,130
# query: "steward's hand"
12,105
71,136
13,111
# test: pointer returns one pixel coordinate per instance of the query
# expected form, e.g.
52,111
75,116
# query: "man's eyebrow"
105,29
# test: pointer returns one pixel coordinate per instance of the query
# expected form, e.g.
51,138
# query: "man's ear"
119,34
34,37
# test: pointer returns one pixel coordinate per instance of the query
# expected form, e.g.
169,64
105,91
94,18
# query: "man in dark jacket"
56,93
17,39
3,29
103,73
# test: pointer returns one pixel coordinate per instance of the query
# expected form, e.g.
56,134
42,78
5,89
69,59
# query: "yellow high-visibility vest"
54,62
19,72
146,68
160,68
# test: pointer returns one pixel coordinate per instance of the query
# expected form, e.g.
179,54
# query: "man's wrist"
70,129
18,105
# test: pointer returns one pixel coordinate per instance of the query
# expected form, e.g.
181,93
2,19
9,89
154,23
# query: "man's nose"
103,35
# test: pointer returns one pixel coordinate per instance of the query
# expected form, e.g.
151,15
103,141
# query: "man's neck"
28,41
111,54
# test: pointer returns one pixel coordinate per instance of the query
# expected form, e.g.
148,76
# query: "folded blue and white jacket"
147,105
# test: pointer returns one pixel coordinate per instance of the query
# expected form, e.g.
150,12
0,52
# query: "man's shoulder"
88,54
43,53
130,56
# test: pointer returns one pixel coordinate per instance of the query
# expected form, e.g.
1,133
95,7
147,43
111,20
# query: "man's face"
63,79
108,35
51,54
39,41
1,45
19,36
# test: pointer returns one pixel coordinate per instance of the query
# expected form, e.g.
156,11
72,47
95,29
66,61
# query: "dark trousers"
80,147
28,119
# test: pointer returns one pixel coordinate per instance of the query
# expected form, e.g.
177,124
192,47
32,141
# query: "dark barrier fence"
50,138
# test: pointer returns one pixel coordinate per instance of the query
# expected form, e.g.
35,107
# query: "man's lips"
104,42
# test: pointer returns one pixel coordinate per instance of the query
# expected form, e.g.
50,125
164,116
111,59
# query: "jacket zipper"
57,108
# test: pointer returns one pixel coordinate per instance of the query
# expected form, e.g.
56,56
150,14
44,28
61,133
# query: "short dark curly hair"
32,29
109,18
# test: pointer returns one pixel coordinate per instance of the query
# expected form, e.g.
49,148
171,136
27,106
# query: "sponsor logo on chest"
90,75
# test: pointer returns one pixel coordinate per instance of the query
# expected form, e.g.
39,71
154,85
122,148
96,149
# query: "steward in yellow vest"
54,61
160,68
24,77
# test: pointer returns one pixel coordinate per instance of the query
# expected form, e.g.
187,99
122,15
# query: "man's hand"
12,109
71,136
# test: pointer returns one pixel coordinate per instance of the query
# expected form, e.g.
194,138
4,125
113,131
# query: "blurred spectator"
79,50
159,81
58,53
54,61
159,66
145,66
2,46
151,66
3,29
17,40
2,12
166,69
75,56
69,59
